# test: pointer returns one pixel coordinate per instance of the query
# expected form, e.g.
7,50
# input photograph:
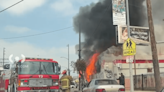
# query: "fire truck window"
28,68
37,68
49,68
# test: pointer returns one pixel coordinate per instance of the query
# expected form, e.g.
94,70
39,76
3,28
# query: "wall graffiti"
108,73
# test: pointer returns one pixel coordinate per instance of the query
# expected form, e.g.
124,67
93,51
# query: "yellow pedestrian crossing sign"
129,47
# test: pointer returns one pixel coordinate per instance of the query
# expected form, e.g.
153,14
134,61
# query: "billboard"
119,12
140,35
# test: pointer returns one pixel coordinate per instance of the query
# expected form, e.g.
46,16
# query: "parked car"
104,85
73,85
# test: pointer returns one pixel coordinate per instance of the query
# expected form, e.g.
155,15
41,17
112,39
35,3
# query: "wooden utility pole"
79,54
154,48
135,78
135,65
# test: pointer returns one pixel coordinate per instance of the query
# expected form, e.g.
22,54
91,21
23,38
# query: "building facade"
108,69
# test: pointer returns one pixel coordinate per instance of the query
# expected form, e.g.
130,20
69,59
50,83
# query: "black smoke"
96,24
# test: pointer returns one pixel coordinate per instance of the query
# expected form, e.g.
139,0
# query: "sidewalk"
140,91
125,91
77,90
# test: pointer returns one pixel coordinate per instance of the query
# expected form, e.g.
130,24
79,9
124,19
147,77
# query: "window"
149,69
72,83
105,82
37,68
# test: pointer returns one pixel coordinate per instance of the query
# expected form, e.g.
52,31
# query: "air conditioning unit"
119,65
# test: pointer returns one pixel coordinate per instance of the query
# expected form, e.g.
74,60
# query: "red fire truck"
33,75
4,80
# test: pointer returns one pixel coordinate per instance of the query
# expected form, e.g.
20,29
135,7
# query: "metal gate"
146,81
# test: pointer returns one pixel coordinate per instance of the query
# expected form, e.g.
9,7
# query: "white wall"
140,68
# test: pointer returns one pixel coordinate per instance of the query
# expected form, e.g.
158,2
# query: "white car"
73,85
104,85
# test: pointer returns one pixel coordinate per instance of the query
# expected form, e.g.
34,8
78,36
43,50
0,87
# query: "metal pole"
154,48
3,56
130,63
79,53
68,61
79,42
135,70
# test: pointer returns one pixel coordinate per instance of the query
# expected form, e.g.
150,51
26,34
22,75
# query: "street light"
68,64
68,60
66,68
64,58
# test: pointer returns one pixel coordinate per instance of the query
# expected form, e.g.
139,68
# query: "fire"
91,69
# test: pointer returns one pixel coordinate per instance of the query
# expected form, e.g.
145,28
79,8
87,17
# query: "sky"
32,17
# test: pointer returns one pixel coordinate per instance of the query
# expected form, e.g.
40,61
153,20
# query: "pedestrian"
65,82
122,80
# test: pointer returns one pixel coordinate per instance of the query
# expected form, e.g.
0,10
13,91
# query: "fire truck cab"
34,75
4,80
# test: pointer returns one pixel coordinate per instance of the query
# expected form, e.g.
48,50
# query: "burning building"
99,48
111,63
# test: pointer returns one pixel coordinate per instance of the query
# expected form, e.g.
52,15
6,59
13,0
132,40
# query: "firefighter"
65,81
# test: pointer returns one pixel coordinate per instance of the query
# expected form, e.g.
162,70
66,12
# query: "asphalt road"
73,90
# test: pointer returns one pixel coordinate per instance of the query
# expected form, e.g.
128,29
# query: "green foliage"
80,65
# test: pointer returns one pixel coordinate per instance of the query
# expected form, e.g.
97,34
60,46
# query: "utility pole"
135,65
135,69
130,63
3,56
68,61
79,53
154,48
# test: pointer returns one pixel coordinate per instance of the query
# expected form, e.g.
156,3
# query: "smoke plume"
158,16
96,24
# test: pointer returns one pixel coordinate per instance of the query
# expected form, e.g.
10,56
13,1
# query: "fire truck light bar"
39,58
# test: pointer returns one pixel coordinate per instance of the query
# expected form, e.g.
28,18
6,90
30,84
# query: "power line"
37,34
10,6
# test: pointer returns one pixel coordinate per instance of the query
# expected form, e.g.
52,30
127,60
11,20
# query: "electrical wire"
45,32
37,34
10,6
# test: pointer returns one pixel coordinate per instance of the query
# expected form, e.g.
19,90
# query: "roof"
103,79
38,60
138,61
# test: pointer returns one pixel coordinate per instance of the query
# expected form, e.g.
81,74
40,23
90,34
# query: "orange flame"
91,69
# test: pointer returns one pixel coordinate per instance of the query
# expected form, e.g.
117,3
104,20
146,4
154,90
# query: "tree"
80,65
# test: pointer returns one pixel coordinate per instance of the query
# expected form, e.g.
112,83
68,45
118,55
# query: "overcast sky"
38,16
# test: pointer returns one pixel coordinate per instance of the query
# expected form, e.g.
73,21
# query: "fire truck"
4,80
33,75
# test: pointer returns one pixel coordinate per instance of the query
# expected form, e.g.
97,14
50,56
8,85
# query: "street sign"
129,47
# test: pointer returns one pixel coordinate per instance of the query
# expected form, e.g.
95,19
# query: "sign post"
129,49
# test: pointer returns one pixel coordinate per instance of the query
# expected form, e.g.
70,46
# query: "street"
74,90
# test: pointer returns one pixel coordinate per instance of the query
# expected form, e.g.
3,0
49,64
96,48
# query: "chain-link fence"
146,81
